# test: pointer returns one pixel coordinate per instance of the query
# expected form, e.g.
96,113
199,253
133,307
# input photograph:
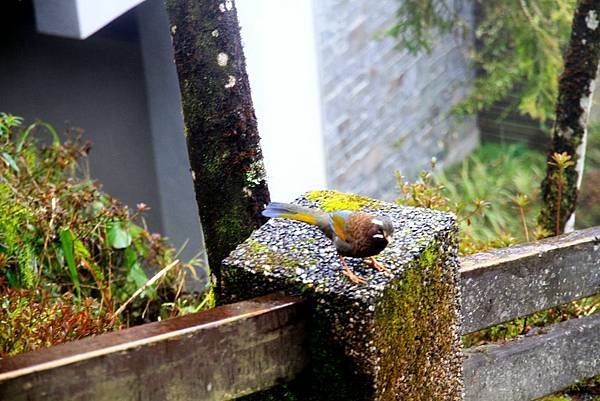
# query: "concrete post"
394,338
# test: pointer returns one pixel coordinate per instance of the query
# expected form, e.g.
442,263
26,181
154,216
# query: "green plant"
483,191
518,51
415,20
588,212
62,238
32,319
562,161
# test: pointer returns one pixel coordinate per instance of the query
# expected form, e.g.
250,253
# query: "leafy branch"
518,51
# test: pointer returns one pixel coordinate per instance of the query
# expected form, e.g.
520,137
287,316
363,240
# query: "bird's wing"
343,247
338,223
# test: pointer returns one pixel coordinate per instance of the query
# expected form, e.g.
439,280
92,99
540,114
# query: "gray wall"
383,109
97,85
174,183
100,85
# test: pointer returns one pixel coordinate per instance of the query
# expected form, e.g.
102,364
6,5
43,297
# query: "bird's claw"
372,262
354,278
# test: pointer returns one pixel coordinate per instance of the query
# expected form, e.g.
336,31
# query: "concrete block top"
296,252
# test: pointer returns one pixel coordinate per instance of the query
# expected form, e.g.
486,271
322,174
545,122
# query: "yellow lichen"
330,201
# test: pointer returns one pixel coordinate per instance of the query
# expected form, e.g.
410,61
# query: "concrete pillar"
395,337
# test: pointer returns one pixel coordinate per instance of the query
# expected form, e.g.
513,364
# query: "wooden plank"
534,366
219,354
506,283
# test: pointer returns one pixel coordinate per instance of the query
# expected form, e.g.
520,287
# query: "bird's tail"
295,212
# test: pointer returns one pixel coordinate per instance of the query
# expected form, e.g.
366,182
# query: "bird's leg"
372,262
353,277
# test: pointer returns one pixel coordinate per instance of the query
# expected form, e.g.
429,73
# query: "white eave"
78,18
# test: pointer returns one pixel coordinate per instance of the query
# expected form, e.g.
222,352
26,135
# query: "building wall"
284,79
101,85
96,85
174,186
383,109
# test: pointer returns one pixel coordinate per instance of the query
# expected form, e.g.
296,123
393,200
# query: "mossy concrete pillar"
394,338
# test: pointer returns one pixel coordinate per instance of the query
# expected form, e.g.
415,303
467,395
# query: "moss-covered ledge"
395,338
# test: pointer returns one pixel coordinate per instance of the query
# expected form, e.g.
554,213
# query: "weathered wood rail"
219,354
507,283
242,348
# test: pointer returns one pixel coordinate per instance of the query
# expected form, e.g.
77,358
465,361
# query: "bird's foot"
353,277
374,263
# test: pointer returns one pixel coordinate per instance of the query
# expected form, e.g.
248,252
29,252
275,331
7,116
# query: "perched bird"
354,234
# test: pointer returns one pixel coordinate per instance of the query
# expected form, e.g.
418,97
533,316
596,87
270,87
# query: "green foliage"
117,236
16,237
588,212
416,18
518,53
62,238
494,185
501,175
485,191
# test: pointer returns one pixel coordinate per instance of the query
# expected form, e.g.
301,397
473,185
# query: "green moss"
415,326
556,398
255,174
330,200
268,257
229,225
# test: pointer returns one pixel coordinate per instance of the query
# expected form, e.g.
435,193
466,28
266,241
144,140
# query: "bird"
354,233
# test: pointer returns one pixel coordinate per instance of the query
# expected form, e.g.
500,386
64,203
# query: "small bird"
354,234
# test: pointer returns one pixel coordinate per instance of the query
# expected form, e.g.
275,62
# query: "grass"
493,194
507,177
588,208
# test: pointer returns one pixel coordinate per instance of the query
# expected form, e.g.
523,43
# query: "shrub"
63,241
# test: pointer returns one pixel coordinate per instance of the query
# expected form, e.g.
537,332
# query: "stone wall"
383,109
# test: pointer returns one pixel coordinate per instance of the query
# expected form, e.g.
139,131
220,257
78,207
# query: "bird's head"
382,230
